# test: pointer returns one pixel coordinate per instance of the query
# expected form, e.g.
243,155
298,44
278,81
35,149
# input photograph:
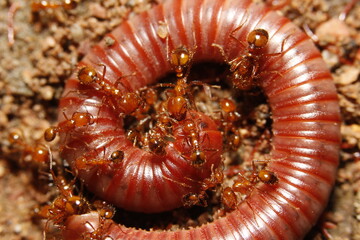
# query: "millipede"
152,176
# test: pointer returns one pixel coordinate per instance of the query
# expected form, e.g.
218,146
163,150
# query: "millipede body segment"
293,77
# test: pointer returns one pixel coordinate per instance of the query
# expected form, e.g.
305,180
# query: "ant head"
15,137
180,57
87,75
258,38
227,105
117,156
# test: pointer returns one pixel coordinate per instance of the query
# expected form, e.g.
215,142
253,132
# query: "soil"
46,47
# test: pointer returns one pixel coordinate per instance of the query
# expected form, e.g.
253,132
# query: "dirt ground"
47,45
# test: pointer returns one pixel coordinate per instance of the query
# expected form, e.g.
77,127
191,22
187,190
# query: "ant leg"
232,33
282,47
222,52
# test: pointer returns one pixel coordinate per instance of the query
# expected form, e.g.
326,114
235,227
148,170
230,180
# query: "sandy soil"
48,44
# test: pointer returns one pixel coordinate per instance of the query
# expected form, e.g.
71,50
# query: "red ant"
177,105
200,199
78,119
155,138
229,118
244,69
65,205
192,199
83,162
172,110
181,99
105,212
197,156
39,153
128,102
44,4
243,185
229,198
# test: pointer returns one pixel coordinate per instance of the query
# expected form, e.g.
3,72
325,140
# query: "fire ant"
216,178
192,199
78,119
181,99
197,156
105,212
200,199
64,205
87,162
45,4
229,118
229,198
173,109
39,153
177,105
244,69
161,132
244,184
128,103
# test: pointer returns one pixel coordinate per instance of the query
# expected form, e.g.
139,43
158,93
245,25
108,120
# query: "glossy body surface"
299,90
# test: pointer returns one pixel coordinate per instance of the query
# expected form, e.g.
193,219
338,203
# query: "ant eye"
258,38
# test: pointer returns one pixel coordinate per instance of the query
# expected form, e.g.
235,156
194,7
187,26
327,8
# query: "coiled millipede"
290,72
